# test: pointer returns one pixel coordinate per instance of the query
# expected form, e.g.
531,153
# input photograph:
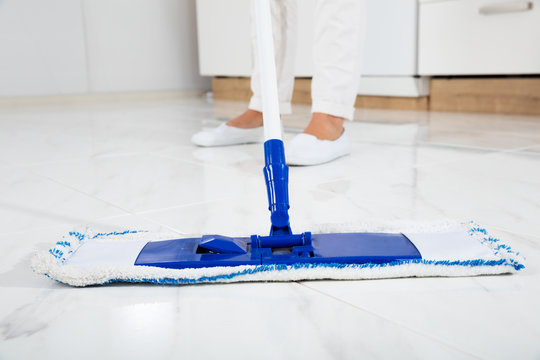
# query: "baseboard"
239,89
392,102
500,95
101,99
504,95
394,86
230,88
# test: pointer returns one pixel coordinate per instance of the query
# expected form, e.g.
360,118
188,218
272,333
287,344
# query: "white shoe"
228,135
306,149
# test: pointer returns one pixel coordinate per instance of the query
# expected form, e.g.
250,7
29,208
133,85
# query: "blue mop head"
447,249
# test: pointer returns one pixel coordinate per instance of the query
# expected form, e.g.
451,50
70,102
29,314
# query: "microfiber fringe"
52,263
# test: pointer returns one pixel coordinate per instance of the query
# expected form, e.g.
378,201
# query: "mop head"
83,258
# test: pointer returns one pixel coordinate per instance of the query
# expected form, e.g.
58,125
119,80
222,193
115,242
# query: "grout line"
458,146
489,132
199,164
192,162
464,158
162,225
81,192
28,166
175,207
126,211
59,225
470,157
433,338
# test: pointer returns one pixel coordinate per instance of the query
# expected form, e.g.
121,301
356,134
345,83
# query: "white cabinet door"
391,37
466,37
225,45
224,37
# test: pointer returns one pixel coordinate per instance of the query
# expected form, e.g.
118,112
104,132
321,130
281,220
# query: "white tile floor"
132,166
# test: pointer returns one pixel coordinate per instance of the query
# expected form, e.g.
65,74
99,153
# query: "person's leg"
247,127
284,31
337,55
337,52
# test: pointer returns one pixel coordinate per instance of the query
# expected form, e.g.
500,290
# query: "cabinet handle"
506,7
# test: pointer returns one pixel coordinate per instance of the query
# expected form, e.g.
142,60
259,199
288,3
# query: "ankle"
250,119
325,126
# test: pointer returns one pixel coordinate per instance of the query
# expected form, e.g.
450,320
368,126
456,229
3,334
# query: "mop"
83,258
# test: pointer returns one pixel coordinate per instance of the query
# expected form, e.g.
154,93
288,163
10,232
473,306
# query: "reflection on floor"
112,167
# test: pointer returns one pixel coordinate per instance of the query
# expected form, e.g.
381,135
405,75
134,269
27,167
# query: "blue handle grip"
276,175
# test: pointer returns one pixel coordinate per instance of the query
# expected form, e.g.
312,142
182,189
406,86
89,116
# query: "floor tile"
121,131
487,131
477,140
513,125
145,182
489,317
387,116
482,193
244,216
268,321
28,138
403,134
29,201
248,159
120,164
521,166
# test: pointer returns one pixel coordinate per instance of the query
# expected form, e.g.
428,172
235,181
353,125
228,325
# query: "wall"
55,47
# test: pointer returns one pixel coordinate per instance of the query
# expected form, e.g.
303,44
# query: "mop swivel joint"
276,175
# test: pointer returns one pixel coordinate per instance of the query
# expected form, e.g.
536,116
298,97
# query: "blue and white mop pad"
446,249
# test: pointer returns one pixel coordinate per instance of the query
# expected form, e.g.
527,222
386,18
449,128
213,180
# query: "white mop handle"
267,66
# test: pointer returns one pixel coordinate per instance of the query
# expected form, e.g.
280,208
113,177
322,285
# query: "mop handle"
267,66
276,172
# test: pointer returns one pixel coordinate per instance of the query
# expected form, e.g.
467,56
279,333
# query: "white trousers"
337,53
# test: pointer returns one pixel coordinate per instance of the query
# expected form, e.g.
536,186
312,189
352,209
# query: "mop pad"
83,258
